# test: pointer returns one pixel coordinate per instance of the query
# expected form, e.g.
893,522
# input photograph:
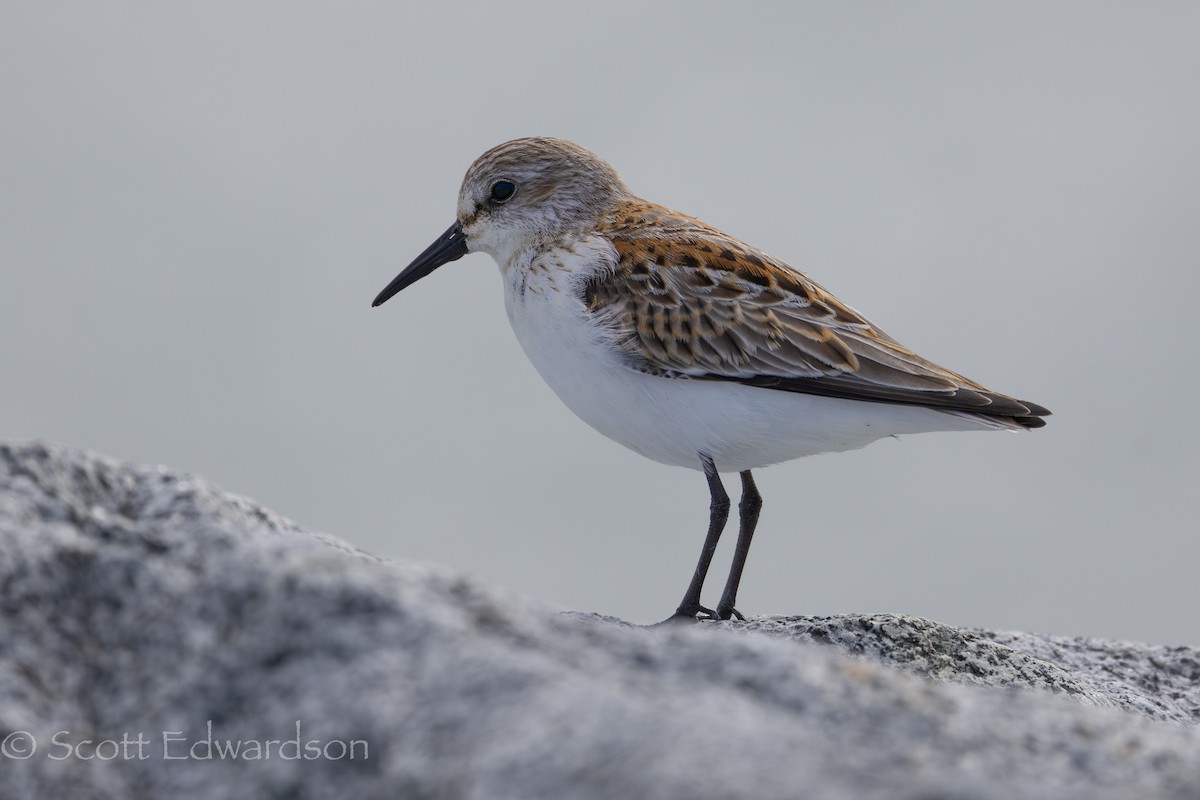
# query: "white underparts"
674,420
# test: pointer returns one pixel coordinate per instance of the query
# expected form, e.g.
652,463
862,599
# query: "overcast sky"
198,203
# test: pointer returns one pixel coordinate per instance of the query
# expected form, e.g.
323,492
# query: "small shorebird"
685,344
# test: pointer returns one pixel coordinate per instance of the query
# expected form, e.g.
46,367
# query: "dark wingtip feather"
1036,410
1034,418
978,402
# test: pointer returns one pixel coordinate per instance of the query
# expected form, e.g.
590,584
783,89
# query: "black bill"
450,246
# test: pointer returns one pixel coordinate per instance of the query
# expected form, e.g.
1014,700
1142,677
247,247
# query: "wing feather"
686,300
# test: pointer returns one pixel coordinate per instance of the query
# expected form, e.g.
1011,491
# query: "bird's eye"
502,190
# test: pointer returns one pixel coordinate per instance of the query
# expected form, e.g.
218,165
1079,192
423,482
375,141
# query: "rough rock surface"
135,601
1152,680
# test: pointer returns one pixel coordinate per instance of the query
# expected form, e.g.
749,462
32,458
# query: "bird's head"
515,195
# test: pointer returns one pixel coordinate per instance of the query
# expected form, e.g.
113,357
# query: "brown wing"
687,300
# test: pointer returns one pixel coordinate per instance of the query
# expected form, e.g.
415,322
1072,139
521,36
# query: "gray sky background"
198,203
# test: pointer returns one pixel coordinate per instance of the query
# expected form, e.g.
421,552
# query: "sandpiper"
685,344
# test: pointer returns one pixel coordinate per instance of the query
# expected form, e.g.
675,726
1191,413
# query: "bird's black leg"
749,507
718,513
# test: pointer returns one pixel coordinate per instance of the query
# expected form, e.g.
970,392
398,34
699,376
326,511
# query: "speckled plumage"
689,300
683,343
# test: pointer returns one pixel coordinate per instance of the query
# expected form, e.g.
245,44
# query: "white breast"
674,420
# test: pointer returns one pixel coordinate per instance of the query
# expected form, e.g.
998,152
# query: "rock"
1158,682
145,613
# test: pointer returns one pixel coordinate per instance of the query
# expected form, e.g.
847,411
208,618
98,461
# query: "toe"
685,615
729,613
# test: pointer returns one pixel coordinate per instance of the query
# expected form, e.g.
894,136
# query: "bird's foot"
686,615
729,612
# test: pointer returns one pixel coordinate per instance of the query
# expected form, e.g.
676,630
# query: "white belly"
674,421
